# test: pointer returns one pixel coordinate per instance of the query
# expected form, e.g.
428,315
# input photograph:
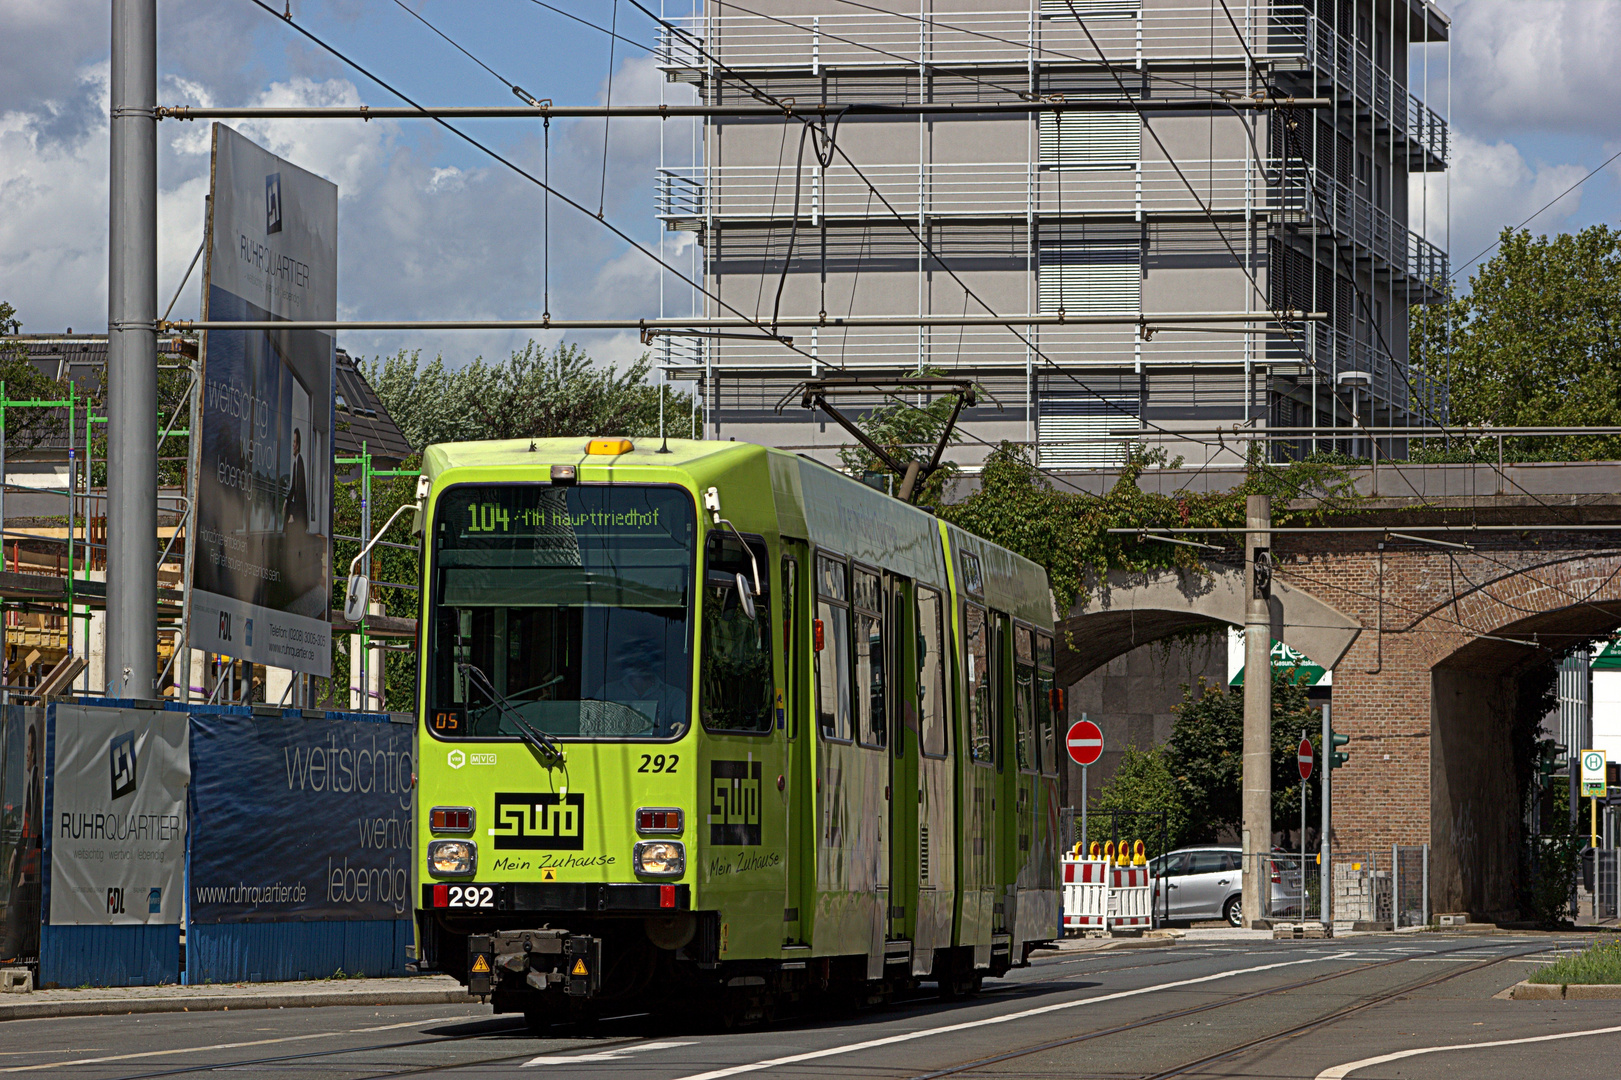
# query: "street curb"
1529,991
36,1010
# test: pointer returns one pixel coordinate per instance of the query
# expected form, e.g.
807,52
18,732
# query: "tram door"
794,718
902,758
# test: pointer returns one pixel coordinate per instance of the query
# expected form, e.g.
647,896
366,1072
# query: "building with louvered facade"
1204,209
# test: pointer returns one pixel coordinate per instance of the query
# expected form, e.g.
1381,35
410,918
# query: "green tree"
534,394
1144,782
396,575
1206,751
27,428
907,433
1067,532
1533,342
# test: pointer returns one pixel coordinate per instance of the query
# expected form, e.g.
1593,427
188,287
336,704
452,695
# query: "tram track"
1339,1014
905,1005
1367,1002
924,1000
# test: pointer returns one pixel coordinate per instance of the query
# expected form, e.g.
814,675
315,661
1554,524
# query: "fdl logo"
115,901
273,203
121,752
225,626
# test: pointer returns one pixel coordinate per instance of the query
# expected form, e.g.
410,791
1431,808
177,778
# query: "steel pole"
1305,782
1325,879
1257,803
1084,849
132,353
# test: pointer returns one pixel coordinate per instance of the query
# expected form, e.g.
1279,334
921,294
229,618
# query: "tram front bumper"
539,959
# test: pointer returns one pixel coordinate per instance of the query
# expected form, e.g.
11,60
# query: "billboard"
261,566
22,807
300,819
117,815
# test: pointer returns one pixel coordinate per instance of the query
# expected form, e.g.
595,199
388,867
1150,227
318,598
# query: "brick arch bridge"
1434,651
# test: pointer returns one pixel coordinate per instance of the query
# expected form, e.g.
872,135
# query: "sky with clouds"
430,228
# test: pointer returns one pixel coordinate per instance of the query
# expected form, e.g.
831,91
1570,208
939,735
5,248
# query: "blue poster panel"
299,819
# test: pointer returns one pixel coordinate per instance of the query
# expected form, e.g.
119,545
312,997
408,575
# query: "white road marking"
1340,1072
225,1046
602,1055
910,1036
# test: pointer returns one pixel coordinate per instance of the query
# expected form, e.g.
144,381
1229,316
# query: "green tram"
714,723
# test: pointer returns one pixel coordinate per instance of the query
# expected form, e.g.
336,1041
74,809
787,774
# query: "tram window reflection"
834,713
931,670
869,659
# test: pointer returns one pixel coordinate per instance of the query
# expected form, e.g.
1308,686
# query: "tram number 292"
475,896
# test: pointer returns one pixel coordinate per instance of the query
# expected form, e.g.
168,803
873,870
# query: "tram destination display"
262,561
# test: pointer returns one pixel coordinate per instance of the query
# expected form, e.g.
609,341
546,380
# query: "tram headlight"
660,858
448,858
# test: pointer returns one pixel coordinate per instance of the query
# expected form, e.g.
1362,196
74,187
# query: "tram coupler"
542,959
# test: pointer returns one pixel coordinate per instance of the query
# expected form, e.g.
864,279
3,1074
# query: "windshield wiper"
539,741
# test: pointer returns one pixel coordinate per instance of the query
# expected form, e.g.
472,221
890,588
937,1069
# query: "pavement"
1415,1006
124,1000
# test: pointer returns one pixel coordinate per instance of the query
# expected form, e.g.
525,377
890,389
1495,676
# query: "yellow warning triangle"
578,968
548,874
481,966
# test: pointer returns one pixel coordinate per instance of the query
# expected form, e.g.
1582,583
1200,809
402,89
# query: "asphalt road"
1312,1010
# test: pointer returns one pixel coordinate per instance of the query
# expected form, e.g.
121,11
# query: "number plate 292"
466,896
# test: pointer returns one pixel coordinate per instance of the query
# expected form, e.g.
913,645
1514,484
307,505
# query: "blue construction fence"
204,844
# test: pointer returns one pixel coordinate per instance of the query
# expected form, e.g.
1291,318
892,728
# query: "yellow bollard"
1139,855
1097,851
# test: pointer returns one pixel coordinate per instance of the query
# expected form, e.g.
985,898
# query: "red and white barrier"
1086,894
1131,899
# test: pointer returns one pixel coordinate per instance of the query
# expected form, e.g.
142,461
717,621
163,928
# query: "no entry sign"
1085,741
1304,757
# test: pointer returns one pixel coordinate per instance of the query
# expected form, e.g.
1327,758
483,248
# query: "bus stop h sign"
1085,741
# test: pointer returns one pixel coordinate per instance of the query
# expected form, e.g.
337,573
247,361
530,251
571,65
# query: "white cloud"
1536,66
1493,186
419,238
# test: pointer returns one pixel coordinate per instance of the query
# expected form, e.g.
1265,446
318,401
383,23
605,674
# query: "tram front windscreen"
561,610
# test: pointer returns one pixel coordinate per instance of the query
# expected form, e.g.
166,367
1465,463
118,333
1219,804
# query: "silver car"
1206,883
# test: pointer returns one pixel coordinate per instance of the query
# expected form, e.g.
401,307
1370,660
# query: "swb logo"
121,753
734,802
529,821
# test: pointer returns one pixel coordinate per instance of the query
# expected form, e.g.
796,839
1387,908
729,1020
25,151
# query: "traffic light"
1336,756
1550,759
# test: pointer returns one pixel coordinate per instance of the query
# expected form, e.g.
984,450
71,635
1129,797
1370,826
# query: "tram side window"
832,639
1046,721
737,688
790,611
869,668
977,672
931,670
1024,704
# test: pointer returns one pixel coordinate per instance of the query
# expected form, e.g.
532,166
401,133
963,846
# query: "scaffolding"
1312,198
52,613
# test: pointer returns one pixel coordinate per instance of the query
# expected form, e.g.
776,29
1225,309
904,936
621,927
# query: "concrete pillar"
1257,801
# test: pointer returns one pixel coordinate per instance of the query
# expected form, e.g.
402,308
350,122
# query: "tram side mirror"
745,595
354,601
